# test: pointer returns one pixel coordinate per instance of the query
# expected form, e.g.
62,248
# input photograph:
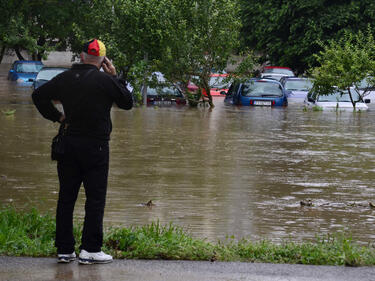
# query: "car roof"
53,67
28,61
282,67
295,78
264,80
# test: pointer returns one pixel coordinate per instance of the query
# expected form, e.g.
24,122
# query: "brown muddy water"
229,171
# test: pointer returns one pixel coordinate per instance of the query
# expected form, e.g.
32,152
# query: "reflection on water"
240,171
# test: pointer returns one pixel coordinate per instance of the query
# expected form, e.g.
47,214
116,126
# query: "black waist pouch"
58,147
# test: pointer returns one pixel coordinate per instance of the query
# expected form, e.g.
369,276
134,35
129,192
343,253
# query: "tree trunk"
207,89
18,53
2,52
351,98
144,87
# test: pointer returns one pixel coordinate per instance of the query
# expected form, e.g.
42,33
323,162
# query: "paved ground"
44,269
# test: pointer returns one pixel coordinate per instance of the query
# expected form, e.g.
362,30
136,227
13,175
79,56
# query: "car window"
48,74
364,84
261,89
163,91
218,82
28,67
298,85
339,96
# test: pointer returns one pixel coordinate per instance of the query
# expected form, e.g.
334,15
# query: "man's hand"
108,67
62,118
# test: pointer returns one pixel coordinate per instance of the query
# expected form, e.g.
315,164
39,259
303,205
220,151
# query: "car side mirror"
223,93
310,99
11,71
288,93
367,101
30,80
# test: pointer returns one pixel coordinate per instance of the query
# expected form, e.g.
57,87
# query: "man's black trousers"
86,161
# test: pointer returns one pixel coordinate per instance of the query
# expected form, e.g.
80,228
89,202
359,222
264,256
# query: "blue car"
24,71
257,92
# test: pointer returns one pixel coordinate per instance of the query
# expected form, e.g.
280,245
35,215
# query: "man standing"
87,95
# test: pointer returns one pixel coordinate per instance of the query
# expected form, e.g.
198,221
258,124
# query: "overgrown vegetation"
288,33
344,64
32,234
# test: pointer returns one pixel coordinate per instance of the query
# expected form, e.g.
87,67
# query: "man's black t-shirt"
87,96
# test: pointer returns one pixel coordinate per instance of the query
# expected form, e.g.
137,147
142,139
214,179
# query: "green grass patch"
29,233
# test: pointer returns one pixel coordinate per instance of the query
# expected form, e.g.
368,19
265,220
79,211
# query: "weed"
29,233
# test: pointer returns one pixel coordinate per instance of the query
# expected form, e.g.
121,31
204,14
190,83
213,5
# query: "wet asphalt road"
32,269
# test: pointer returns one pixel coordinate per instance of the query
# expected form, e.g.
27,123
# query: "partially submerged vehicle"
256,92
24,71
46,74
297,88
337,100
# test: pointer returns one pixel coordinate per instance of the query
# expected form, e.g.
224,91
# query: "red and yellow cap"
94,47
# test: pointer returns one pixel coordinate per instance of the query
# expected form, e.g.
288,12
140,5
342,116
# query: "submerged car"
297,88
217,84
338,100
256,92
276,72
46,74
366,87
24,71
165,96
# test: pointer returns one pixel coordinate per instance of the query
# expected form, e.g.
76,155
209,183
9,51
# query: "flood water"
230,171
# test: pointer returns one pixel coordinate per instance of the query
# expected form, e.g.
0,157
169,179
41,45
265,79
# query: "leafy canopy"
345,63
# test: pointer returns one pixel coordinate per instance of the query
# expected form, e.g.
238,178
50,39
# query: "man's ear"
82,57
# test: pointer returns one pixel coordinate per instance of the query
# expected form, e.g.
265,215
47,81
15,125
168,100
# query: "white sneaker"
66,258
91,258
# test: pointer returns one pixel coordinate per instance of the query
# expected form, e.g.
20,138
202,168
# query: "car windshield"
261,89
366,83
339,96
48,74
298,85
218,82
279,70
28,67
163,91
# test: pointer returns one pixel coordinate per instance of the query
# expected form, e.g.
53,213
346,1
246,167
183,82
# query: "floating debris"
307,203
9,111
148,204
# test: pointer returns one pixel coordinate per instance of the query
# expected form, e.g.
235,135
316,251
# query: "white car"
370,90
338,100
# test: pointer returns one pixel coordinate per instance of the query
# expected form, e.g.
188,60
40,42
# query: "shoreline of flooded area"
230,171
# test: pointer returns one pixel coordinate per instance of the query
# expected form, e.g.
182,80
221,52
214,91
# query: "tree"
288,32
183,39
133,31
202,36
36,26
345,63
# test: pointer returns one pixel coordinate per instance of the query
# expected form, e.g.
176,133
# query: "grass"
32,234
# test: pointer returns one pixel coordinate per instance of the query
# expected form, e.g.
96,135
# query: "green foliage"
32,234
183,39
35,25
345,63
202,36
26,234
287,32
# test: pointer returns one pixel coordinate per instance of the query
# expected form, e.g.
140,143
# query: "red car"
216,83
276,72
